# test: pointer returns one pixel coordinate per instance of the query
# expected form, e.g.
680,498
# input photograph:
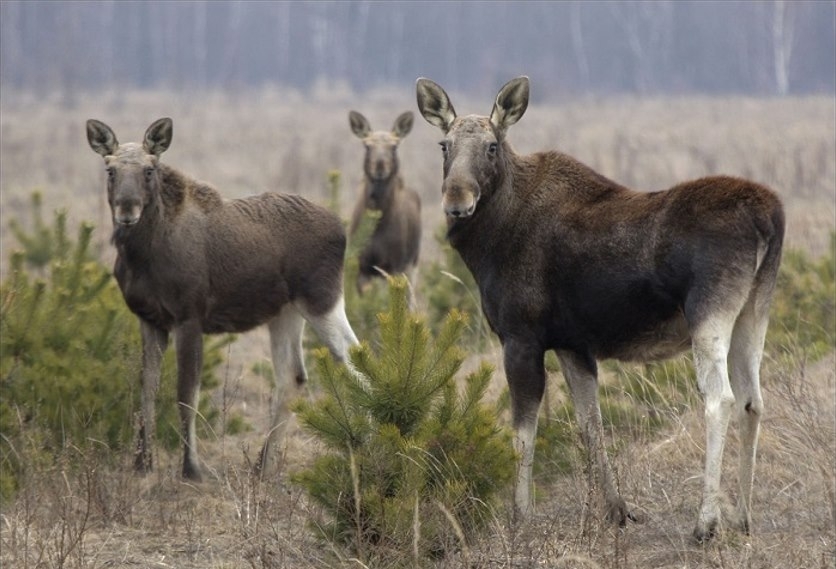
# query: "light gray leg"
583,385
744,362
711,342
525,435
288,369
154,344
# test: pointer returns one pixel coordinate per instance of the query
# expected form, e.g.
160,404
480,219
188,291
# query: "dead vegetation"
99,514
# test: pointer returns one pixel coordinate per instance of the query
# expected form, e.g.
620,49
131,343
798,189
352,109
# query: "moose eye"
445,146
111,172
492,149
149,174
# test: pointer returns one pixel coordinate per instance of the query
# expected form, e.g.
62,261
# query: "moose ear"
511,103
101,138
158,136
403,124
359,124
434,104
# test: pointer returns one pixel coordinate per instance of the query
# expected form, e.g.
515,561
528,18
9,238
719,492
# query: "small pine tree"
44,243
405,452
69,355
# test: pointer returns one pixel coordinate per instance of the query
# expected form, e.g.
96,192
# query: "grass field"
272,140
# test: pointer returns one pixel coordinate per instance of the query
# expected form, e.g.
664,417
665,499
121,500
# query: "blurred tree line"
666,46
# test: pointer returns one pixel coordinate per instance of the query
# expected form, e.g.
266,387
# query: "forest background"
647,93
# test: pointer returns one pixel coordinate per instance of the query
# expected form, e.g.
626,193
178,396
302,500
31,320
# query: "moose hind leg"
744,363
288,368
710,344
333,329
582,378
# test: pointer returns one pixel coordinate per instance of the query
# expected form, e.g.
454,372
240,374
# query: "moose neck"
134,243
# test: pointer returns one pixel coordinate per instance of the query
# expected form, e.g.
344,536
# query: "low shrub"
409,462
70,354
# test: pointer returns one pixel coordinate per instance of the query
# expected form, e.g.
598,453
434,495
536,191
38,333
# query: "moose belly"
664,340
246,309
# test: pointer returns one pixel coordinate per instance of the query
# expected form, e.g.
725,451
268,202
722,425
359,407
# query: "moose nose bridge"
127,200
460,181
378,160
127,194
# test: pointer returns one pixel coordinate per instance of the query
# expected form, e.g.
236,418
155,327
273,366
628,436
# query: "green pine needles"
411,462
70,356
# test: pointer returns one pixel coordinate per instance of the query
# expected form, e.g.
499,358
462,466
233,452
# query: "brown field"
277,140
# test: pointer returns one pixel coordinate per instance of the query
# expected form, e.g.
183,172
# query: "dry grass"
104,516
277,140
101,515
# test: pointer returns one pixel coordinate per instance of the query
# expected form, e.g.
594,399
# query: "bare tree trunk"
783,32
200,46
578,43
283,27
229,70
396,46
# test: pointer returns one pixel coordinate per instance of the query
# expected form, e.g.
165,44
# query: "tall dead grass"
94,513
281,140
98,514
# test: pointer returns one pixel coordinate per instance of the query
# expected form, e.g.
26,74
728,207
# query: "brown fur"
190,263
395,243
570,261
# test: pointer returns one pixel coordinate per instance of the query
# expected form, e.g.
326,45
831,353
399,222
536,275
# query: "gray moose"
396,241
191,263
570,261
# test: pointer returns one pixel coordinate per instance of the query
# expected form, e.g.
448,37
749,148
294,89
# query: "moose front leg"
189,340
526,376
154,344
581,376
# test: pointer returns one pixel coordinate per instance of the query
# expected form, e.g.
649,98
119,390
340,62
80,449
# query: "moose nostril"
455,211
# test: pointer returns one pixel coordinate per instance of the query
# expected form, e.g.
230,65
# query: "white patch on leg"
744,362
524,440
711,347
288,366
333,329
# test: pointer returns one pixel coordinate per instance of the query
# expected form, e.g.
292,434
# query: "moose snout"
459,201
127,214
460,210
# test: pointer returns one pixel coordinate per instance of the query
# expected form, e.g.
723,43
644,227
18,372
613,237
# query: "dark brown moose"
394,245
567,260
191,263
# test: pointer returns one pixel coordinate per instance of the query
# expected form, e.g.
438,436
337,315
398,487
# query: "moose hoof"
619,513
142,464
192,472
705,532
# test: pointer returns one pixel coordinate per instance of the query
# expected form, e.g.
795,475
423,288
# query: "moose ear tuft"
403,124
158,136
511,103
359,124
101,138
434,104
